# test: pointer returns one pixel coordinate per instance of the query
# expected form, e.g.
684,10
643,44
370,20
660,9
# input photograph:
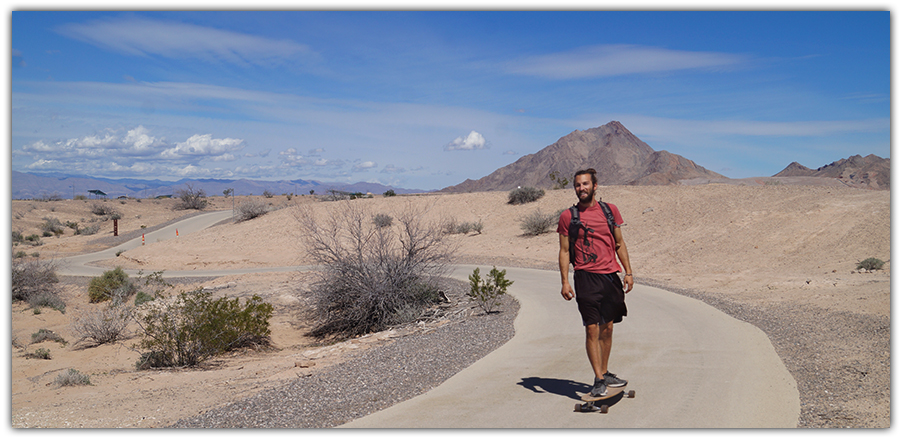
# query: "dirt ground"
762,245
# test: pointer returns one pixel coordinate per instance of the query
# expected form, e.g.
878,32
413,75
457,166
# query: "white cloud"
474,141
362,166
144,37
200,145
619,59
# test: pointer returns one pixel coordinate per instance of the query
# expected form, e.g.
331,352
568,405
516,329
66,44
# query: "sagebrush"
538,222
372,277
524,195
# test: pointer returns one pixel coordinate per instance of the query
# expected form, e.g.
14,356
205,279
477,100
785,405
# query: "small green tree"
487,293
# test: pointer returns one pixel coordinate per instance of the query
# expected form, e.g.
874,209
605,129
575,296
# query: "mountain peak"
619,157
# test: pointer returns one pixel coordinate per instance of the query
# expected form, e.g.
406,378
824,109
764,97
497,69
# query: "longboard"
590,406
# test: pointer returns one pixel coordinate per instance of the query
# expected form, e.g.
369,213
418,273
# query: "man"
598,290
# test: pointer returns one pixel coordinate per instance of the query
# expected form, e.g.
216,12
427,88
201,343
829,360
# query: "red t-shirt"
599,242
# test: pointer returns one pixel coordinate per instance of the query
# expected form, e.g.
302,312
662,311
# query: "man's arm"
567,292
622,252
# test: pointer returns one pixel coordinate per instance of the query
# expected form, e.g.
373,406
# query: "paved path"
690,365
666,348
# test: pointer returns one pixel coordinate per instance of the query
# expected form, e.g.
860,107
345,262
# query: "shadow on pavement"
562,387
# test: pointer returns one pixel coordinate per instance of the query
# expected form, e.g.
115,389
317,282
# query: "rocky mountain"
31,186
619,157
871,172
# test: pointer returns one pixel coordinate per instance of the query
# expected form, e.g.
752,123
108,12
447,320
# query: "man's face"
584,188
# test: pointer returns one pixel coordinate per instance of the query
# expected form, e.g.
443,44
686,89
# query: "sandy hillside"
761,246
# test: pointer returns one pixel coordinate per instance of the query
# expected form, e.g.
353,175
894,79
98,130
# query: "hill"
619,157
870,172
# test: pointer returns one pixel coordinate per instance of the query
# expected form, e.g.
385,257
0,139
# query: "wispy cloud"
620,59
169,39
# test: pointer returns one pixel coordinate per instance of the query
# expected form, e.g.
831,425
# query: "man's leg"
598,343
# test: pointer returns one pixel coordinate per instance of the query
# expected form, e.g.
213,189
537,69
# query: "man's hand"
567,292
629,283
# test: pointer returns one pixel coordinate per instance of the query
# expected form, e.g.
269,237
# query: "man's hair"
590,171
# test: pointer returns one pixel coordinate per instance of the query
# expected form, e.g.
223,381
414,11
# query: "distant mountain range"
619,157
30,186
871,172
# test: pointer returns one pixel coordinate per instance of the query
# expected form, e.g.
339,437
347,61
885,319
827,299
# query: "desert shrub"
47,298
33,277
89,230
191,198
17,238
538,222
390,193
559,181
20,254
112,285
371,278
34,239
268,194
522,195
383,220
40,353
870,264
102,326
104,210
52,226
46,335
194,327
466,227
72,377
142,298
486,293
251,209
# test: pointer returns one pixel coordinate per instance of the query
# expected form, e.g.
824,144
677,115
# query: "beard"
586,196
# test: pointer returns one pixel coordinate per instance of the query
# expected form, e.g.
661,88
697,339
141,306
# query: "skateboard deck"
591,406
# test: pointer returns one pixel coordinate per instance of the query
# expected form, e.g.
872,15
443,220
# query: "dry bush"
524,195
191,198
372,277
251,209
72,377
35,281
102,326
538,222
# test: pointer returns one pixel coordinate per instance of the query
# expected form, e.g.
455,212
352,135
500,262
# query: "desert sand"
768,248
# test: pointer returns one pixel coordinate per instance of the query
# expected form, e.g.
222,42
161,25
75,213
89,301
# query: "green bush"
112,285
522,195
46,335
538,222
487,293
40,353
870,264
390,193
194,327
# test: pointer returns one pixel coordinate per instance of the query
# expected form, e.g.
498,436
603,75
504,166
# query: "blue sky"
429,99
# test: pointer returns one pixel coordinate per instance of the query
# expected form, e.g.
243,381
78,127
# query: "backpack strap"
574,225
610,220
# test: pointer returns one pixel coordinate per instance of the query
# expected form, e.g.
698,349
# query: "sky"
428,99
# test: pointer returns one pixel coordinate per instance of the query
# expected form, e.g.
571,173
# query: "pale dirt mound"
759,245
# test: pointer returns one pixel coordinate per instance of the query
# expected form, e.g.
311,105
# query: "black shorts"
600,297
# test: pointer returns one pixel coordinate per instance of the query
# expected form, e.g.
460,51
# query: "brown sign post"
115,227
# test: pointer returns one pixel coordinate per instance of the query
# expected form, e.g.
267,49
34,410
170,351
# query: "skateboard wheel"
604,409
631,394
578,407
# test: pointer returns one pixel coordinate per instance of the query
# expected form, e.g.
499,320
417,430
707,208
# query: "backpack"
575,224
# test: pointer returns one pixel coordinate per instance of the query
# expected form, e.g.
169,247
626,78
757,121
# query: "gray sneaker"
599,389
612,381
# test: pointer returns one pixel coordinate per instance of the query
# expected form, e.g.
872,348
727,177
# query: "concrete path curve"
690,365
